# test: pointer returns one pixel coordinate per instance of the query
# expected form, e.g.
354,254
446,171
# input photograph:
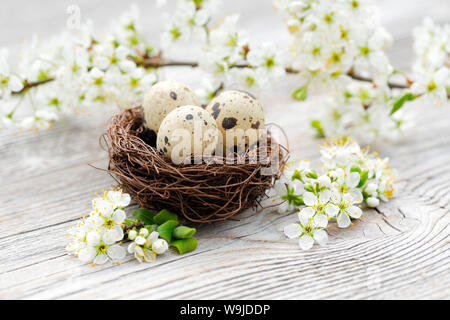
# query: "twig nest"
204,192
186,131
240,119
162,98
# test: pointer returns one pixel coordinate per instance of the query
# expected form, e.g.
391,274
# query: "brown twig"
158,62
28,85
355,76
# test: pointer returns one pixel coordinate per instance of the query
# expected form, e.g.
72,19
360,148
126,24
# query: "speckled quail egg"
237,110
164,97
187,130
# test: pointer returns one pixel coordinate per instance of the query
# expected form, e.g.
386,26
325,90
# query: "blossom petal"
140,240
131,247
320,220
87,254
332,210
280,188
305,215
293,230
352,180
320,236
354,212
343,220
125,200
138,250
153,236
109,236
15,84
306,242
357,196
299,187
93,238
324,196
160,246
309,198
118,216
116,252
101,258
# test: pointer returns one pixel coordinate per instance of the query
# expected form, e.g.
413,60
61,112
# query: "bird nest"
202,193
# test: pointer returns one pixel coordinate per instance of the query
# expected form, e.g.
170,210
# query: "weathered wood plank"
398,250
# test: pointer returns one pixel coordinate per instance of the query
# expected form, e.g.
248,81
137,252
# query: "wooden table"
399,250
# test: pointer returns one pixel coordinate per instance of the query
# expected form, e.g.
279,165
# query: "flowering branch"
347,178
28,85
98,238
80,70
334,42
355,76
159,62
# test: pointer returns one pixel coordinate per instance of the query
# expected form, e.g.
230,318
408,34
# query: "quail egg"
187,130
162,98
234,110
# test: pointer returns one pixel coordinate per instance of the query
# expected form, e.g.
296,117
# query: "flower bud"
143,232
324,181
132,234
160,246
371,188
373,202
140,240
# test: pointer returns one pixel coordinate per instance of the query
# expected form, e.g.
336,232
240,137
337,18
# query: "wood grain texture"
399,250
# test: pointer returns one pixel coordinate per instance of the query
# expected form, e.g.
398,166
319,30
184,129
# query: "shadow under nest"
202,193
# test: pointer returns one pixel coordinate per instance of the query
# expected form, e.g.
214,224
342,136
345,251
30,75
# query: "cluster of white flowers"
337,45
331,37
432,64
76,71
145,245
338,50
226,56
188,21
347,178
229,60
96,239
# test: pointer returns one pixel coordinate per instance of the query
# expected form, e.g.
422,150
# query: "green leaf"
400,101
355,168
309,188
165,215
185,245
151,227
364,178
297,175
183,232
144,215
365,195
316,124
166,229
298,201
129,222
300,94
311,175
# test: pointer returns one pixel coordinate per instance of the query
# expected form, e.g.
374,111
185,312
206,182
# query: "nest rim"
202,192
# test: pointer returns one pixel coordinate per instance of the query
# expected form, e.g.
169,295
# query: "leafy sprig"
167,224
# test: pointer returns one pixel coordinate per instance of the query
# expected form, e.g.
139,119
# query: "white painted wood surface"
397,251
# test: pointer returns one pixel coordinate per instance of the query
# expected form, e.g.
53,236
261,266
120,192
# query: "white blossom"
309,229
100,250
8,81
146,246
96,238
347,178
